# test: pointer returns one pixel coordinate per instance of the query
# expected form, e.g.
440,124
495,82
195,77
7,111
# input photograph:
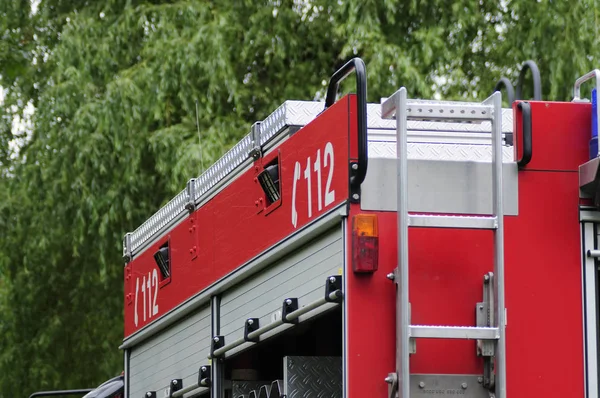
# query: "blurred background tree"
98,130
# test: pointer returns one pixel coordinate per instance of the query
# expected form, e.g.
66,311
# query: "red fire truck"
411,248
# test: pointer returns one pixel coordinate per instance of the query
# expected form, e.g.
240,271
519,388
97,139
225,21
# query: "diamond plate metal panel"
242,388
223,167
375,122
291,113
312,377
159,220
433,151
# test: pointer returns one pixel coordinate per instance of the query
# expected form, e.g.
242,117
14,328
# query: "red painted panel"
446,274
543,289
235,226
560,134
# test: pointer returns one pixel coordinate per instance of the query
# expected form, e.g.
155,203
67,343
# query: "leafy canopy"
113,87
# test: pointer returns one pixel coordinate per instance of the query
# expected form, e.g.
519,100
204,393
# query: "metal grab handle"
525,108
577,87
354,65
537,81
510,91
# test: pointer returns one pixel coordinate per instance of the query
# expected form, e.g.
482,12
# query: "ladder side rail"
403,346
500,321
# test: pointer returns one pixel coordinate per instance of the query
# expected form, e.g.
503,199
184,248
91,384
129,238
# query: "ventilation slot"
163,261
269,181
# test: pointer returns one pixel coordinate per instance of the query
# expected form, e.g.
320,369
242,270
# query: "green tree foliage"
114,86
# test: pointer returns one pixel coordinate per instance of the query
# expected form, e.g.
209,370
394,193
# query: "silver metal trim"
126,373
400,102
577,86
589,214
439,186
253,266
496,101
454,332
473,222
589,292
345,380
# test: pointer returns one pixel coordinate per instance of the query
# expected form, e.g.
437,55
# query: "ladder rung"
448,111
433,110
454,332
435,221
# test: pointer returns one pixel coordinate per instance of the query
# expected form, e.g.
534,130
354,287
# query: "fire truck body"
278,271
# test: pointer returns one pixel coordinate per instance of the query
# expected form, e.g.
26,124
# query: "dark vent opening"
163,261
269,181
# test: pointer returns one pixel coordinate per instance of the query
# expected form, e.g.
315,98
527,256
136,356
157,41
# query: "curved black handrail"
354,65
510,91
537,80
525,108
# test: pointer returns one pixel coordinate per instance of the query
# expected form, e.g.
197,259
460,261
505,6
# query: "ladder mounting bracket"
251,325
204,376
486,318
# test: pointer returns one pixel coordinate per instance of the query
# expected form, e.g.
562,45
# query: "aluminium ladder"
403,109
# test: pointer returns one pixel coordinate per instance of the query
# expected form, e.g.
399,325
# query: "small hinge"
150,394
354,188
217,342
175,385
333,289
255,152
204,376
250,326
289,305
127,252
190,190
